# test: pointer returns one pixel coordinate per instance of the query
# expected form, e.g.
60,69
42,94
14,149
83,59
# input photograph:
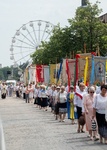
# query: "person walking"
99,109
3,91
27,94
70,104
88,101
78,102
44,98
62,100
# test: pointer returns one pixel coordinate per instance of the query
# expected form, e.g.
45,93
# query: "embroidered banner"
39,73
32,74
46,74
100,67
26,76
71,65
53,73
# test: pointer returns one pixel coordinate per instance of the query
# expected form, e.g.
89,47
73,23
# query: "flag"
68,74
86,71
39,73
46,74
59,71
100,69
52,68
92,71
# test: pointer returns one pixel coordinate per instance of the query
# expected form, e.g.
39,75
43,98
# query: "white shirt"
100,104
35,93
77,100
44,94
62,97
49,91
98,90
39,93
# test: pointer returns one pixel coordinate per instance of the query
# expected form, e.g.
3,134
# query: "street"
28,128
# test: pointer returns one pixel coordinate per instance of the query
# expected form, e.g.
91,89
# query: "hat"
63,87
58,87
71,87
43,86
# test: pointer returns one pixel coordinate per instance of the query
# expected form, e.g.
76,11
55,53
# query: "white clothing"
54,93
49,91
23,89
98,90
31,90
39,93
44,94
100,104
36,91
106,112
63,97
79,101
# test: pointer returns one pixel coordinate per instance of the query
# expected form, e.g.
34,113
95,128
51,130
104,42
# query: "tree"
84,29
1,75
88,27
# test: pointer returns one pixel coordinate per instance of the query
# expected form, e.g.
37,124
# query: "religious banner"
64,77
71,65
68,74
54,69
100,69
46,74
26,76
39,73
53,74
68,71
81,66
106,73
32,74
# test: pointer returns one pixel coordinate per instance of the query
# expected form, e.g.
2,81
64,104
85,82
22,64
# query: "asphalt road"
28,128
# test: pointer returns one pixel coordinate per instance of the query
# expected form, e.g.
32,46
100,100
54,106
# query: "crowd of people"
85,105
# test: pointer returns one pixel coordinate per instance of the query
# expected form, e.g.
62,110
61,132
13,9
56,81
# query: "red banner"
68,74
39,73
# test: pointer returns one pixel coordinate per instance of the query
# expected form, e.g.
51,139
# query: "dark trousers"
17,94
24,96
27,98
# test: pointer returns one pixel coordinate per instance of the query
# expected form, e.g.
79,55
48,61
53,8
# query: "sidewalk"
28,128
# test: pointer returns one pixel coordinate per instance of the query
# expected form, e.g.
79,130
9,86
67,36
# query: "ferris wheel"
27,40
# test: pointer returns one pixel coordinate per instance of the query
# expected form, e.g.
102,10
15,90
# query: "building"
83,2
103,18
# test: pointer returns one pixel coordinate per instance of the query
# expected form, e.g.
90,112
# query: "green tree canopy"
85,29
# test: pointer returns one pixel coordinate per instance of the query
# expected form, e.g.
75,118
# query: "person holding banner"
70,104
78,102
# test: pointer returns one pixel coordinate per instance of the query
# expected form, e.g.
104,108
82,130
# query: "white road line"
2,140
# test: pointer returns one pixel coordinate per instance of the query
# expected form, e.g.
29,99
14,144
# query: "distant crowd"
85,105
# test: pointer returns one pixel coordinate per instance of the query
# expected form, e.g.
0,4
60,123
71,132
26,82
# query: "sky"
15,13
